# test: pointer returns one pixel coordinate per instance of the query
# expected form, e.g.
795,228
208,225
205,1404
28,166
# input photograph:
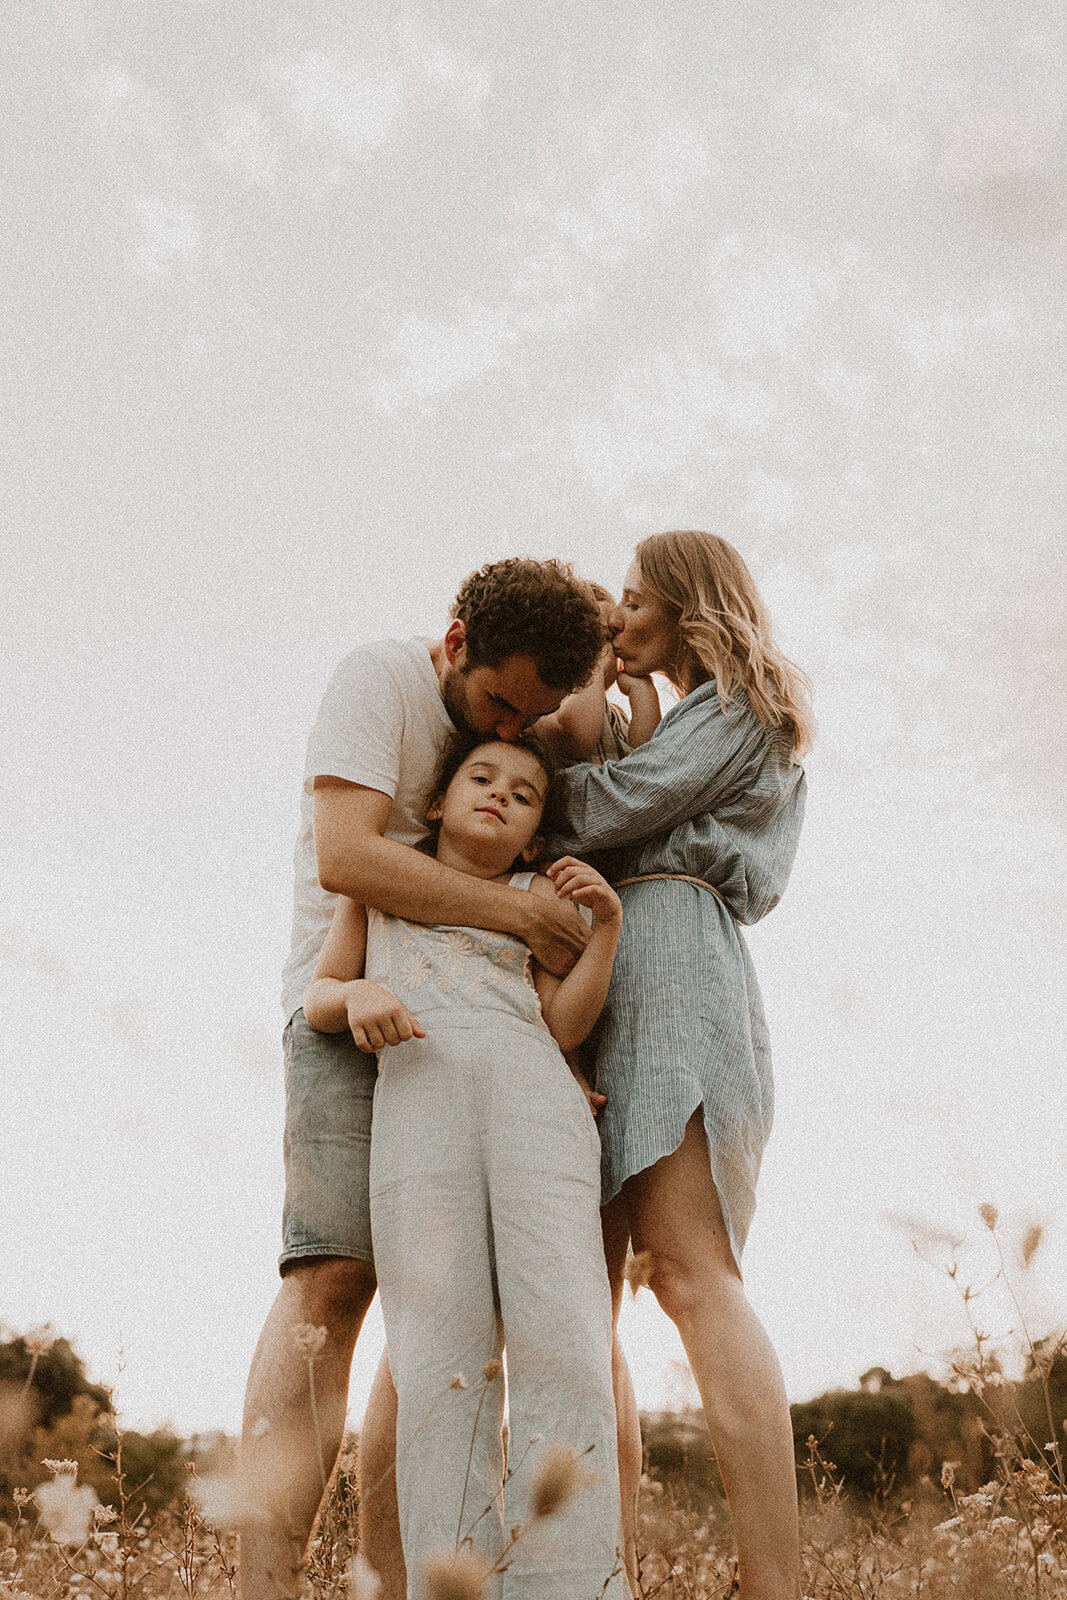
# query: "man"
523,634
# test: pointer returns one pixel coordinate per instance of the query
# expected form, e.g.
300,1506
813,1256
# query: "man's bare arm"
354,858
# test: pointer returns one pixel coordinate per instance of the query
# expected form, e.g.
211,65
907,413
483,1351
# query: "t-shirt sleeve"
358,732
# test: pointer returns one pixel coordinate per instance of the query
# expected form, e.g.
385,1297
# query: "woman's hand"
377,1018
577,880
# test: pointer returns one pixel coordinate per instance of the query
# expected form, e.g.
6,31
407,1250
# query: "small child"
590,727
485,1194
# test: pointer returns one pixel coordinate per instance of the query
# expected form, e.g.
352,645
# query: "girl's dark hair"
459,746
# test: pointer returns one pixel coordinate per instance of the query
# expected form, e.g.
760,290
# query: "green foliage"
867,1433
59,1377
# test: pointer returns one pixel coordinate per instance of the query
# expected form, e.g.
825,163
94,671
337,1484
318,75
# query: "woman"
699,829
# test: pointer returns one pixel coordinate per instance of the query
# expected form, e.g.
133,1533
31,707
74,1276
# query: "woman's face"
646,637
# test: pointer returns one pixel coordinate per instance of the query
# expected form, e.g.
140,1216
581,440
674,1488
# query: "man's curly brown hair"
532,608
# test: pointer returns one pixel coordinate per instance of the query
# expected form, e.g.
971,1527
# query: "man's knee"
331,1290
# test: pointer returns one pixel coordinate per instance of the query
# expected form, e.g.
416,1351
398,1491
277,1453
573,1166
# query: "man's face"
501,700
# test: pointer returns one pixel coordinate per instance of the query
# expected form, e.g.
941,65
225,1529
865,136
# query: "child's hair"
459,746
605,596
705,586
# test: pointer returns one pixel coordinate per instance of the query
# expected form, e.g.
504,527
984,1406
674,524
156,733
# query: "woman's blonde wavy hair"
705,587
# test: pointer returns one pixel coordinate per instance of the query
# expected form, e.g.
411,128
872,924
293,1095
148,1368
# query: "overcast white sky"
320,306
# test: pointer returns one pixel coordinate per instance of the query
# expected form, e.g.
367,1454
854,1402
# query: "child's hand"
629,682
597,1101
576,880
377,1018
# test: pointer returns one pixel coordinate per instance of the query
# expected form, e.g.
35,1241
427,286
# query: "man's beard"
454,695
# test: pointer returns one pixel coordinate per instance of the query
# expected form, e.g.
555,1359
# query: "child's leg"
429,1212
544,1162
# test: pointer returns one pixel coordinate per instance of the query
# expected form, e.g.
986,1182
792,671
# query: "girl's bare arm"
571,1005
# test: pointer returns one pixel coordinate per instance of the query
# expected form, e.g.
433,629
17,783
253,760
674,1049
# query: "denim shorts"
329,1093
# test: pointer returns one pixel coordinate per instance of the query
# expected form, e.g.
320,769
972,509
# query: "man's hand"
555,932
377,1018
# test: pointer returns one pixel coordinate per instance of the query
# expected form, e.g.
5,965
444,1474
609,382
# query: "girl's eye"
478,777
523,799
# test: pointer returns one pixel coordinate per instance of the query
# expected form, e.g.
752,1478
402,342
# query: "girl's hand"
628,682
577,880
377,1018
597,1101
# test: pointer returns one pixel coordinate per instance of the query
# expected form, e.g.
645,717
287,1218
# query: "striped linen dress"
717,796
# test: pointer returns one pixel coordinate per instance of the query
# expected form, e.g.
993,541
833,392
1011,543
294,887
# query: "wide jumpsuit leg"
544,1189
433,1257
485,1191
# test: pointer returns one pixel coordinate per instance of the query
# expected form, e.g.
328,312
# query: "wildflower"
639,1271
222,1500
457,1575
492,1370
947,1527
66,1509
61,1468
948,1473
21,1497
989,1215
102,1514
558,1476
457,1381
309,1340
363,1582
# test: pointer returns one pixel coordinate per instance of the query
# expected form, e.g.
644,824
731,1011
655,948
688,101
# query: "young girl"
485,1195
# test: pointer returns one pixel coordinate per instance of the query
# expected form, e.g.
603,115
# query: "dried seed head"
948,1473
492,1370
639,1271
21,1497
989,1215
457,1381
455,1575
39,1341
559,1475
1031,1242
363,1582
309,1340
62,1469
66,1509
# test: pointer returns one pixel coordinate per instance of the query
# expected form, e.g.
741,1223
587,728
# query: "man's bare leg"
379,1517
289,1445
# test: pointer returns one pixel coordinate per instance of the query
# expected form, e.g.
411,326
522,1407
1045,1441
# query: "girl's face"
647,638
494,803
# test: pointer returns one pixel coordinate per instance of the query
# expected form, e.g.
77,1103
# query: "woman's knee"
687,1285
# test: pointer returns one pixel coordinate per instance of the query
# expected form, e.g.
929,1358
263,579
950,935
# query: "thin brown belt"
672,877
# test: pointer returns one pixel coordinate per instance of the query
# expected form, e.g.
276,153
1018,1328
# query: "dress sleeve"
696,756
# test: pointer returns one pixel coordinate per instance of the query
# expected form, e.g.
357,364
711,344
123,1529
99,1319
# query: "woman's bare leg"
379,1518
675,1215
628,1422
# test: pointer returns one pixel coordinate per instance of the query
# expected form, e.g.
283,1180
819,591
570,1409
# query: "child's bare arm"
645,710
570,1006
339,997
572,732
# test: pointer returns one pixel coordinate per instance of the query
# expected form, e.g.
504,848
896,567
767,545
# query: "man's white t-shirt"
383,724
